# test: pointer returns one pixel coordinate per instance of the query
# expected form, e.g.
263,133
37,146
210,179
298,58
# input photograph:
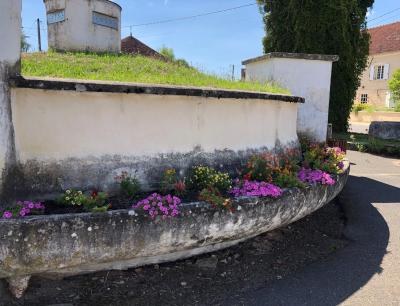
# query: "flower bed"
270,191
264,175
69,244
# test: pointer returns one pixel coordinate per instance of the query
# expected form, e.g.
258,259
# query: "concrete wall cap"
315,57
139,88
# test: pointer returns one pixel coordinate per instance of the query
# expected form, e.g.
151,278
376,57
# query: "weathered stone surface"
385,130
64,245
18,285
46,179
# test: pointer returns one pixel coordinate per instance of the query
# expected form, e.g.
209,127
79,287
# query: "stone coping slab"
315,57
72,244
151,89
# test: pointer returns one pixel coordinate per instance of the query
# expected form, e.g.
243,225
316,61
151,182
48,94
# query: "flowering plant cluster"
255,189
315,176
156,204
23,209
213,196
171,183
280,168
320,157
203,177
129,186
93,202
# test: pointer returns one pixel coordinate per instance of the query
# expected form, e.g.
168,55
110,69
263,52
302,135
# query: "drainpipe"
10,58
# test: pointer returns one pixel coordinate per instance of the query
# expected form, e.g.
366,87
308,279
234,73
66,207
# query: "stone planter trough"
71,244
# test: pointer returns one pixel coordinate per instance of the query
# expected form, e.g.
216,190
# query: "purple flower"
255,189
315,176
7,215
155,204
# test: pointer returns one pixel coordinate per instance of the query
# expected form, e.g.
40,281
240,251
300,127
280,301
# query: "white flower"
68,192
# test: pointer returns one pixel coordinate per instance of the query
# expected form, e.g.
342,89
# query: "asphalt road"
367,272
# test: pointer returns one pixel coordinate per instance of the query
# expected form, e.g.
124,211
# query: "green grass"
127,68
366,143
372,108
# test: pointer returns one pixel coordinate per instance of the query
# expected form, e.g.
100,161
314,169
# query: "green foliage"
170,182
394,86
168,53
288,180
376,145
363,107
325,27
202,177
94,202
129,186
213,196
25,46
280,168
130,68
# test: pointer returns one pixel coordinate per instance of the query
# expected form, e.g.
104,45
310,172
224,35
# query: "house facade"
383,61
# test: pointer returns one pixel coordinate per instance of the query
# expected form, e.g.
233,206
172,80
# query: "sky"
212,43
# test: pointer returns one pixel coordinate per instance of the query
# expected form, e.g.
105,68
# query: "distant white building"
84,25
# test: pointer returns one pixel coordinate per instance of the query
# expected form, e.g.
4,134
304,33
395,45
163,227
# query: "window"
378,72
105,20
364,98
56,16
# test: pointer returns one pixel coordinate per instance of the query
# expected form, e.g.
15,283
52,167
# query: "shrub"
203,177
94,202
255,189
155,204
23,209
129,186
171,183
213,196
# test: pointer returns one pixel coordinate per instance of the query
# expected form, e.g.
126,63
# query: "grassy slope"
126,68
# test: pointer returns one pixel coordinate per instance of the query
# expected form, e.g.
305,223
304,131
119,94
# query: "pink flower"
156,204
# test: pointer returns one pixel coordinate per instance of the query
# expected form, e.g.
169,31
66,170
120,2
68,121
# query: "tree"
168,53
25,46
326,27
394,86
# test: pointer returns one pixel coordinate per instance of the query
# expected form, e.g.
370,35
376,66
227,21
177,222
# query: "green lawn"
127,68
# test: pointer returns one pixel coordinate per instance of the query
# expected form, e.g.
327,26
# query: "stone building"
383,61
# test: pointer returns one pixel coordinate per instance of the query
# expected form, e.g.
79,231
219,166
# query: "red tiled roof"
132,45
385,38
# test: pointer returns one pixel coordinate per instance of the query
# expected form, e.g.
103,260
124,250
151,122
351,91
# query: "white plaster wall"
77,32
310,79
64,124
10,37
10,31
